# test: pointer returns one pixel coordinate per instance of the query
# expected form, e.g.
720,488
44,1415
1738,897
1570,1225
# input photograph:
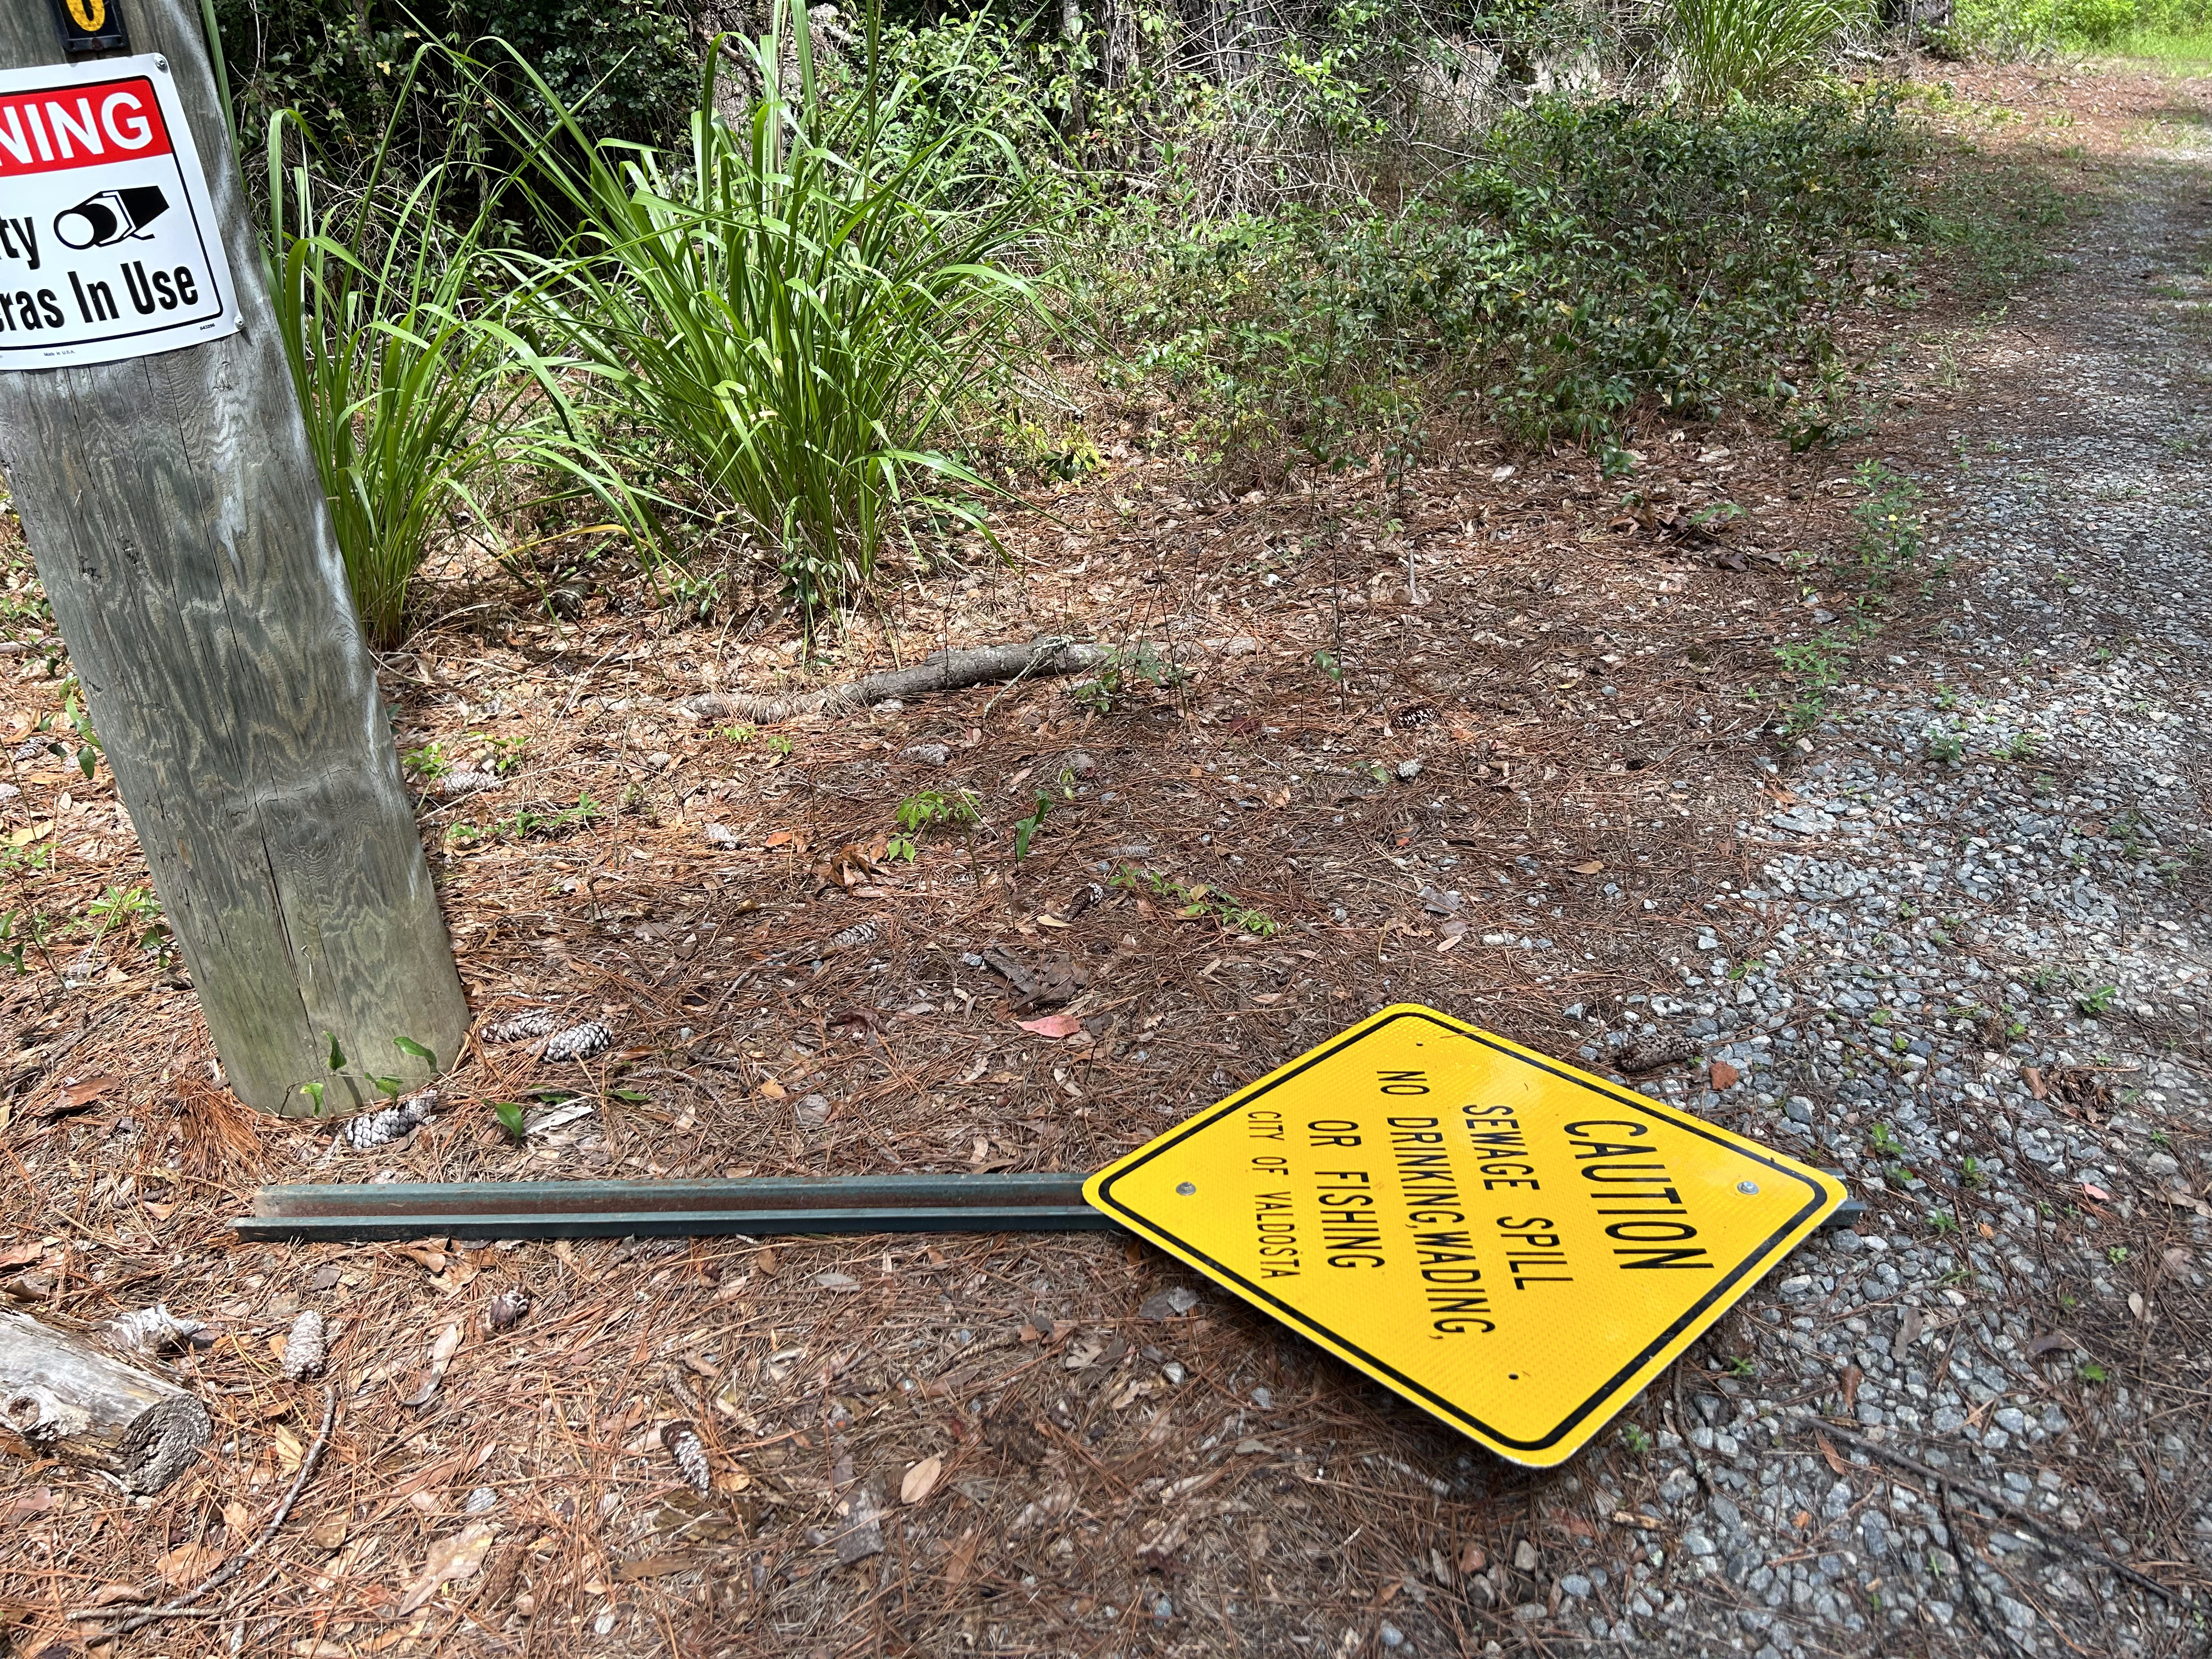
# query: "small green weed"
430,762
1025,828
78,723
22,931
1884,1141
929,808
1122,670
530,824
2098,1001
1889,526
1197,899
134,910
389,1087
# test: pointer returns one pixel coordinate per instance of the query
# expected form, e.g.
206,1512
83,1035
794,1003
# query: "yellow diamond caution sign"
1515,1245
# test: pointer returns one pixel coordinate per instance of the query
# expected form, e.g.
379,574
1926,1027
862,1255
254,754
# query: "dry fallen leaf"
1725,1076
961,1560
17,1254
457,1557
1591,868
237,1517
921,1479
83,1093
37,1501
1053,1025
289,1452
1909,1325
773,1089
442,1354
660,1566
186,1564
108,1595
1830,1456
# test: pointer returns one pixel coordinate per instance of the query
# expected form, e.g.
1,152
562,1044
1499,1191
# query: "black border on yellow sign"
1436,1403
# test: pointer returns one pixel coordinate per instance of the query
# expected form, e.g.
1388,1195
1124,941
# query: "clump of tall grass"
1724,50
420,401
800,305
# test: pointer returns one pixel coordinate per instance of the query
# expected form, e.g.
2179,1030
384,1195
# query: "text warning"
1515,1245
108,246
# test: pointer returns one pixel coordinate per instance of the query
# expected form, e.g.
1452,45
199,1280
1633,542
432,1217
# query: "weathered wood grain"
62,1396
179,528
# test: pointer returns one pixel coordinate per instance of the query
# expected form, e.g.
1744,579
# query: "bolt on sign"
1516,1246
108,246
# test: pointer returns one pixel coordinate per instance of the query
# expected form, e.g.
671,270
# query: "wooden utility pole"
181,533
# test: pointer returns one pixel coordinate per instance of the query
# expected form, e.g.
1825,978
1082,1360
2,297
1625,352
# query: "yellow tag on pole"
1516,1246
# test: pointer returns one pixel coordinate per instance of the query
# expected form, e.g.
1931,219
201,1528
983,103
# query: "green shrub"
1606,256
798,305
2018,28
340,64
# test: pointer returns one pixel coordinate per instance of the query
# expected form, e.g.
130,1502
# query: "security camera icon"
112,217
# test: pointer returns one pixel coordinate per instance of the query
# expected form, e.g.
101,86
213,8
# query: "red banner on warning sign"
80,127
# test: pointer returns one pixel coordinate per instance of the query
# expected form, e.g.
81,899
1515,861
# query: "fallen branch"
1983,1495
64,1396
230,1568
1964,1557
944,670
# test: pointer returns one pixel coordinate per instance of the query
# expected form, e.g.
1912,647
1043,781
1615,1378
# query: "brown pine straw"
229,1570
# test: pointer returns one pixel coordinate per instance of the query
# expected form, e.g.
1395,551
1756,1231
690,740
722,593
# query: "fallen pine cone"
304,1345
150,1330
381,1129
507,1310
580,1041
690,1452
1649,1053
523,1027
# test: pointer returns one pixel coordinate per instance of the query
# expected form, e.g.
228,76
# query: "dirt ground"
1491,742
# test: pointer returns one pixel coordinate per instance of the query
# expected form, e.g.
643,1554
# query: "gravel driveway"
1985,1003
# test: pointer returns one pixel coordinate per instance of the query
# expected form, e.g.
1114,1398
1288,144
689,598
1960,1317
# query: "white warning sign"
109,246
